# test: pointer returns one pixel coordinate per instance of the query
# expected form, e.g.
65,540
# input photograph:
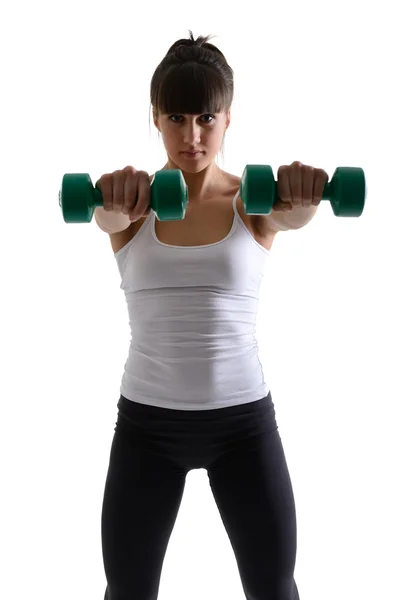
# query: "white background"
315,82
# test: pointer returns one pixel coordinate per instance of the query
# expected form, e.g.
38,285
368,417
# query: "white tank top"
192,312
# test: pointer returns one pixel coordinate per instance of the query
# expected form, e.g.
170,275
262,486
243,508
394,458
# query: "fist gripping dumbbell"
78,198
346,191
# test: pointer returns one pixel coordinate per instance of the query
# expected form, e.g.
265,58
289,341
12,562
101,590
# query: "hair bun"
192,43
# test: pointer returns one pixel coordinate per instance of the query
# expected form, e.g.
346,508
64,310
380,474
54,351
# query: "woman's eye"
211,117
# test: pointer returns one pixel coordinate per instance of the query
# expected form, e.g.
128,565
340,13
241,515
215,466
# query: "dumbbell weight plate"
258,189
346,192
169,195
78,198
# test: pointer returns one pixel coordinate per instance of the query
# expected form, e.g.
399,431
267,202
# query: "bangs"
192,88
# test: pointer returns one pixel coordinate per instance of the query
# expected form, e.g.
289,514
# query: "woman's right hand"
127,191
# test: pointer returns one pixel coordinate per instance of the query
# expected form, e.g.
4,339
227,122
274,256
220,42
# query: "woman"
193,394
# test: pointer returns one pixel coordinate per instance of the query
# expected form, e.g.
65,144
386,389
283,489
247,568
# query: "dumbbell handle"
97,197
326,194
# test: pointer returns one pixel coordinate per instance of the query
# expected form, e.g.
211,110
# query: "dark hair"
193,78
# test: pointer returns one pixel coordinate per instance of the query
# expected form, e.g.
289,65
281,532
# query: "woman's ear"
228,118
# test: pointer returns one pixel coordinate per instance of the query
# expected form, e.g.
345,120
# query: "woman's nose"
192,135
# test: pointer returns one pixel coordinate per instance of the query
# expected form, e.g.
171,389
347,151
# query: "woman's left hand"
299,186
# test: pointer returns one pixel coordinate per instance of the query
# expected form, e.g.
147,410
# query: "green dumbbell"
346,191
168,196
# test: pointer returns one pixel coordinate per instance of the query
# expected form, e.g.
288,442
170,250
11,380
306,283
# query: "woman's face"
192,133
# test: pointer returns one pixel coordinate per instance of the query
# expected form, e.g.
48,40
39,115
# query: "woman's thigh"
253,491
142,496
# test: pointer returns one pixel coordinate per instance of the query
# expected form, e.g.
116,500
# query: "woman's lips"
192,154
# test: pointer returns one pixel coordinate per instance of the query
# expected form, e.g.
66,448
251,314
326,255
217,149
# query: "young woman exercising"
193,394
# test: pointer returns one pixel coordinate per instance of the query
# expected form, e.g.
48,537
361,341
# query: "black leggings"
152,451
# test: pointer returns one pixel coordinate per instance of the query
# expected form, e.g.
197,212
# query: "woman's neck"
202,184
